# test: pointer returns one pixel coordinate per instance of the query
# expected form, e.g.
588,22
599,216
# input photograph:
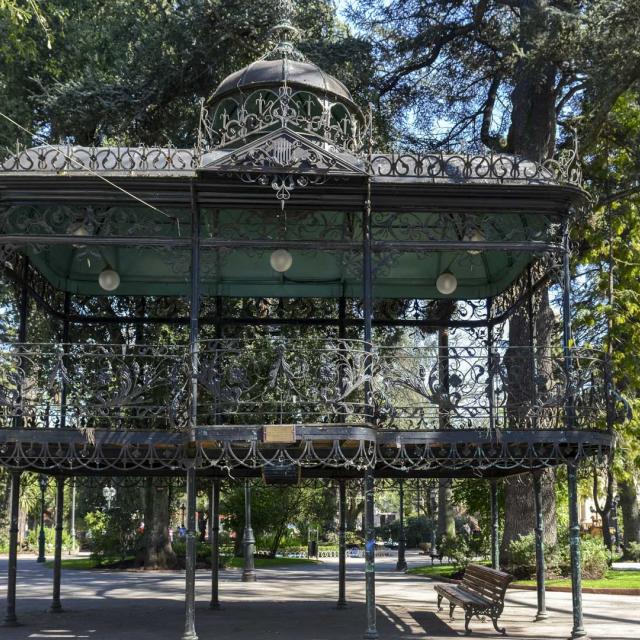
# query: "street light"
109,494
43,481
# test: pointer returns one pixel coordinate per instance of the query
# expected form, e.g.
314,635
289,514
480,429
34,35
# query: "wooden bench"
480,593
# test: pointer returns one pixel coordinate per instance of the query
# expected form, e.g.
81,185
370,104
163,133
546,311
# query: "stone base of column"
249,576
579,633
401,565
541,616
215,606
342,605
189,635
56,608
370,634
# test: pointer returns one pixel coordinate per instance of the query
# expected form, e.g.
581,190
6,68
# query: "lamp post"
182,510
109,493
43,481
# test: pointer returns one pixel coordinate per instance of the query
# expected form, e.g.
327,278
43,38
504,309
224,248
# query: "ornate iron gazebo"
287,255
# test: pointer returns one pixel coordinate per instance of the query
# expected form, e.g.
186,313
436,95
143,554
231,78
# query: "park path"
293,603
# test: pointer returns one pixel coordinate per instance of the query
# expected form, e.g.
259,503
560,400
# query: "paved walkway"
295,603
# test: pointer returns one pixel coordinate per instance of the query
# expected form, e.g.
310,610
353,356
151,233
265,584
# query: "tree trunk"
446,520
532,133
520,514
523,389
630,511
158,553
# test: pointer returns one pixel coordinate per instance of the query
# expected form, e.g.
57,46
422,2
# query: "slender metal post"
578,630
495,525
214,519
540,567
248,539
65,351
190,560
370,555
401,564
367,299
10,619
194,312
342,546
56,606
42,481
73,513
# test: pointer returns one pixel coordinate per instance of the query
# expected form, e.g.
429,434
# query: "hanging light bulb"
474,236
281,260
446,283
109,279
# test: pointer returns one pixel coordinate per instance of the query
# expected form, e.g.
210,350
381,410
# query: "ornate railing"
474,387
273,380
93,386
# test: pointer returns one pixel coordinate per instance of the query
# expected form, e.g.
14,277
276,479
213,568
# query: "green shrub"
594,559
522,554
631,551
32,542
111,534
456,549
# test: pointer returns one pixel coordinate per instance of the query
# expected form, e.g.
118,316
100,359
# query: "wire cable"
92,172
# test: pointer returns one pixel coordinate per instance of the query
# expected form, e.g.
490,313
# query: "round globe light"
475,236
281,260
109,279
446,283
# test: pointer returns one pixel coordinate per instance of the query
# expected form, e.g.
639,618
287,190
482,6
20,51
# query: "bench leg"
451,609
468,613
439,602
501,630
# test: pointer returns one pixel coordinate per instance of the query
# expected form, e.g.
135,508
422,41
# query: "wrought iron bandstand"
284,301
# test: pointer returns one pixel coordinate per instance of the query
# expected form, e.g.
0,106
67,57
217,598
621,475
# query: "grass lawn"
83,563
261,563
434,571
270,563
614,579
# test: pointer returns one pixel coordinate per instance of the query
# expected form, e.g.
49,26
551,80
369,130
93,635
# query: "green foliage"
111,533
633,551
32,541
594,557
417,529
456,549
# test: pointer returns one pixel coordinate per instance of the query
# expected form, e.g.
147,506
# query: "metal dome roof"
279,71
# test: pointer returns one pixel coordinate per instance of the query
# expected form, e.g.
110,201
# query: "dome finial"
284,32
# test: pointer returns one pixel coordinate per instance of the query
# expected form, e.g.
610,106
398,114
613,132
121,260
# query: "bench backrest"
486,582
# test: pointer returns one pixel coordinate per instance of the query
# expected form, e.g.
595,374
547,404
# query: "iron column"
190,560
578,630
370,555
248,540
367,299
540,568
401,564
10,619
42,481
215,543
342,555
495,525
73,513
56,606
